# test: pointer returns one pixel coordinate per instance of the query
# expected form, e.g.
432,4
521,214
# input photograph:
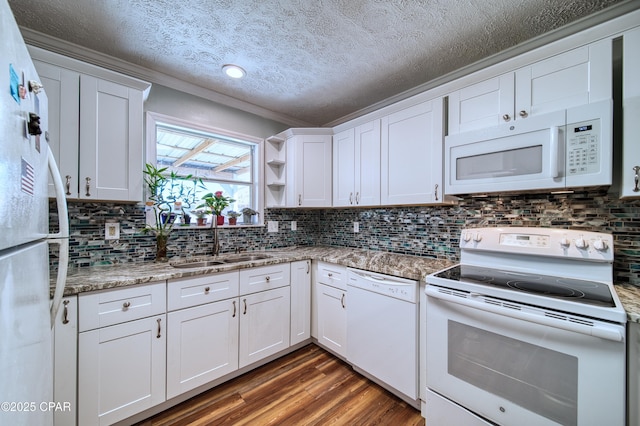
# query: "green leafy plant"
163,192
215,202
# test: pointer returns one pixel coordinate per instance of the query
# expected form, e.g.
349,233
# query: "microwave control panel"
583,147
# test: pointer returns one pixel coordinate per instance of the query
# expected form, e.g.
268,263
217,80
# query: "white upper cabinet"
630,113
308,166
95,128
356,166
576,77
411,157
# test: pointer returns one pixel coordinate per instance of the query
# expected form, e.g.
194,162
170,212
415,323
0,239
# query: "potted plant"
201,214
164,193
216,203
247,215
233,217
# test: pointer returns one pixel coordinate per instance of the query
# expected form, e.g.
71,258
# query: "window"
223,161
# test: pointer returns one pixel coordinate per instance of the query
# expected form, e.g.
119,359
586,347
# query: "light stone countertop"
95,278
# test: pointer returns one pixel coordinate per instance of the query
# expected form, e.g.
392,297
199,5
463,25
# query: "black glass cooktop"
590,292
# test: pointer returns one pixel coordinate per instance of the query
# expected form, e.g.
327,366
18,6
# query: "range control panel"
583,147
565,243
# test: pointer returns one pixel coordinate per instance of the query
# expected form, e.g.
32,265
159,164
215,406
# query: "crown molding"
74,51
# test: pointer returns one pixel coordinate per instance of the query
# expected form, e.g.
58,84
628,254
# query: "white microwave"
564,149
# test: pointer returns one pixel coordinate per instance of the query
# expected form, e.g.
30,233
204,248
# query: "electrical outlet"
356,226
272,226
294,225
111,231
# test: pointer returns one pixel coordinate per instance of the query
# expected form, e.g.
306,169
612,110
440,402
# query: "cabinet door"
631,112
264,324
300,301
480,105
202,345
332,318
65,361
63,89
412,155
367,164
311,171
110,141
577,77
344,168
121,370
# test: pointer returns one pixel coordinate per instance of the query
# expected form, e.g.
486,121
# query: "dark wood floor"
307,387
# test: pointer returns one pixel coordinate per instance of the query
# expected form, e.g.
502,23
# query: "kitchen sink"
245,258
222,261
199,264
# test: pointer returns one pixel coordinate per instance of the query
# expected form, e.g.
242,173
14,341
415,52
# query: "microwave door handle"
553,146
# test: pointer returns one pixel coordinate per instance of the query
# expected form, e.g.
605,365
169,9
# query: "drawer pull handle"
88,186
308,268
268,278
126,306
342,301
234,309
206,290
65,312
245,306
68,184
636,178
159,329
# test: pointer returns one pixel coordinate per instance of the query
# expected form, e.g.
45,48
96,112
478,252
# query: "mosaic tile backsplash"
430,231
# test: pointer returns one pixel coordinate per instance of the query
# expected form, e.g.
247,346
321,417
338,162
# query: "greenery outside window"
219,160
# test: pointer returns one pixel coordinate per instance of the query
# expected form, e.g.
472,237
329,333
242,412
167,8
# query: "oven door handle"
603,331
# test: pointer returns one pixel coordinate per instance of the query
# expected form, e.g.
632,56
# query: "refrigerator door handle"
61,238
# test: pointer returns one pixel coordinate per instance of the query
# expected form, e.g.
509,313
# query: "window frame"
154,118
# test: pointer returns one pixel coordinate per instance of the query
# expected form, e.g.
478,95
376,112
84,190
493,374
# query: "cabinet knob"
206,290
523,114
267,278
126,306
506,117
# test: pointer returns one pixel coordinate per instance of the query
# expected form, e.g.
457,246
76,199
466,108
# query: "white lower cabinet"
264,324
202,329
300,301
202,345
65,361
331,307
121,353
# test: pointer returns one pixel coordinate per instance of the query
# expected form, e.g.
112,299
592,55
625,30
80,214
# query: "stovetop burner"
580,291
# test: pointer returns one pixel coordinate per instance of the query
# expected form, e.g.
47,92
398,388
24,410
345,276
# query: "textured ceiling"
311,61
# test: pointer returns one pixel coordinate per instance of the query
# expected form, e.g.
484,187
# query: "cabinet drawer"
332,275
187,292
264,278
111,307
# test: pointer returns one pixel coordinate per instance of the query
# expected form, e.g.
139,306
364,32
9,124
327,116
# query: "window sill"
226,225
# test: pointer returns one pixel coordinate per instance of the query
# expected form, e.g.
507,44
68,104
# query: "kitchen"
430,231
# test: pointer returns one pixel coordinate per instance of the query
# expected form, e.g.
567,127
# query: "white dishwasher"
382,337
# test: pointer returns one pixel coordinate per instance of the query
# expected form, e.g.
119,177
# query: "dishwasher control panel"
387,285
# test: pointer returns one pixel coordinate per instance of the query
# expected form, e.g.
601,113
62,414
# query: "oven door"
518,365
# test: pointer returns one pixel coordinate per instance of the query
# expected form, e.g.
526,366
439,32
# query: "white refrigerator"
26,307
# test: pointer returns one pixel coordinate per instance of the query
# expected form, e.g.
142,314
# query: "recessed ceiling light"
234,71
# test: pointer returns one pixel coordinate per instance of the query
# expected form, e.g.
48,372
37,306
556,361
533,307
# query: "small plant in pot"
233,217
247,215
216,203
201,216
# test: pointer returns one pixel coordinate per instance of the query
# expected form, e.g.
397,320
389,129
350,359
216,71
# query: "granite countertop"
406,266
94,278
